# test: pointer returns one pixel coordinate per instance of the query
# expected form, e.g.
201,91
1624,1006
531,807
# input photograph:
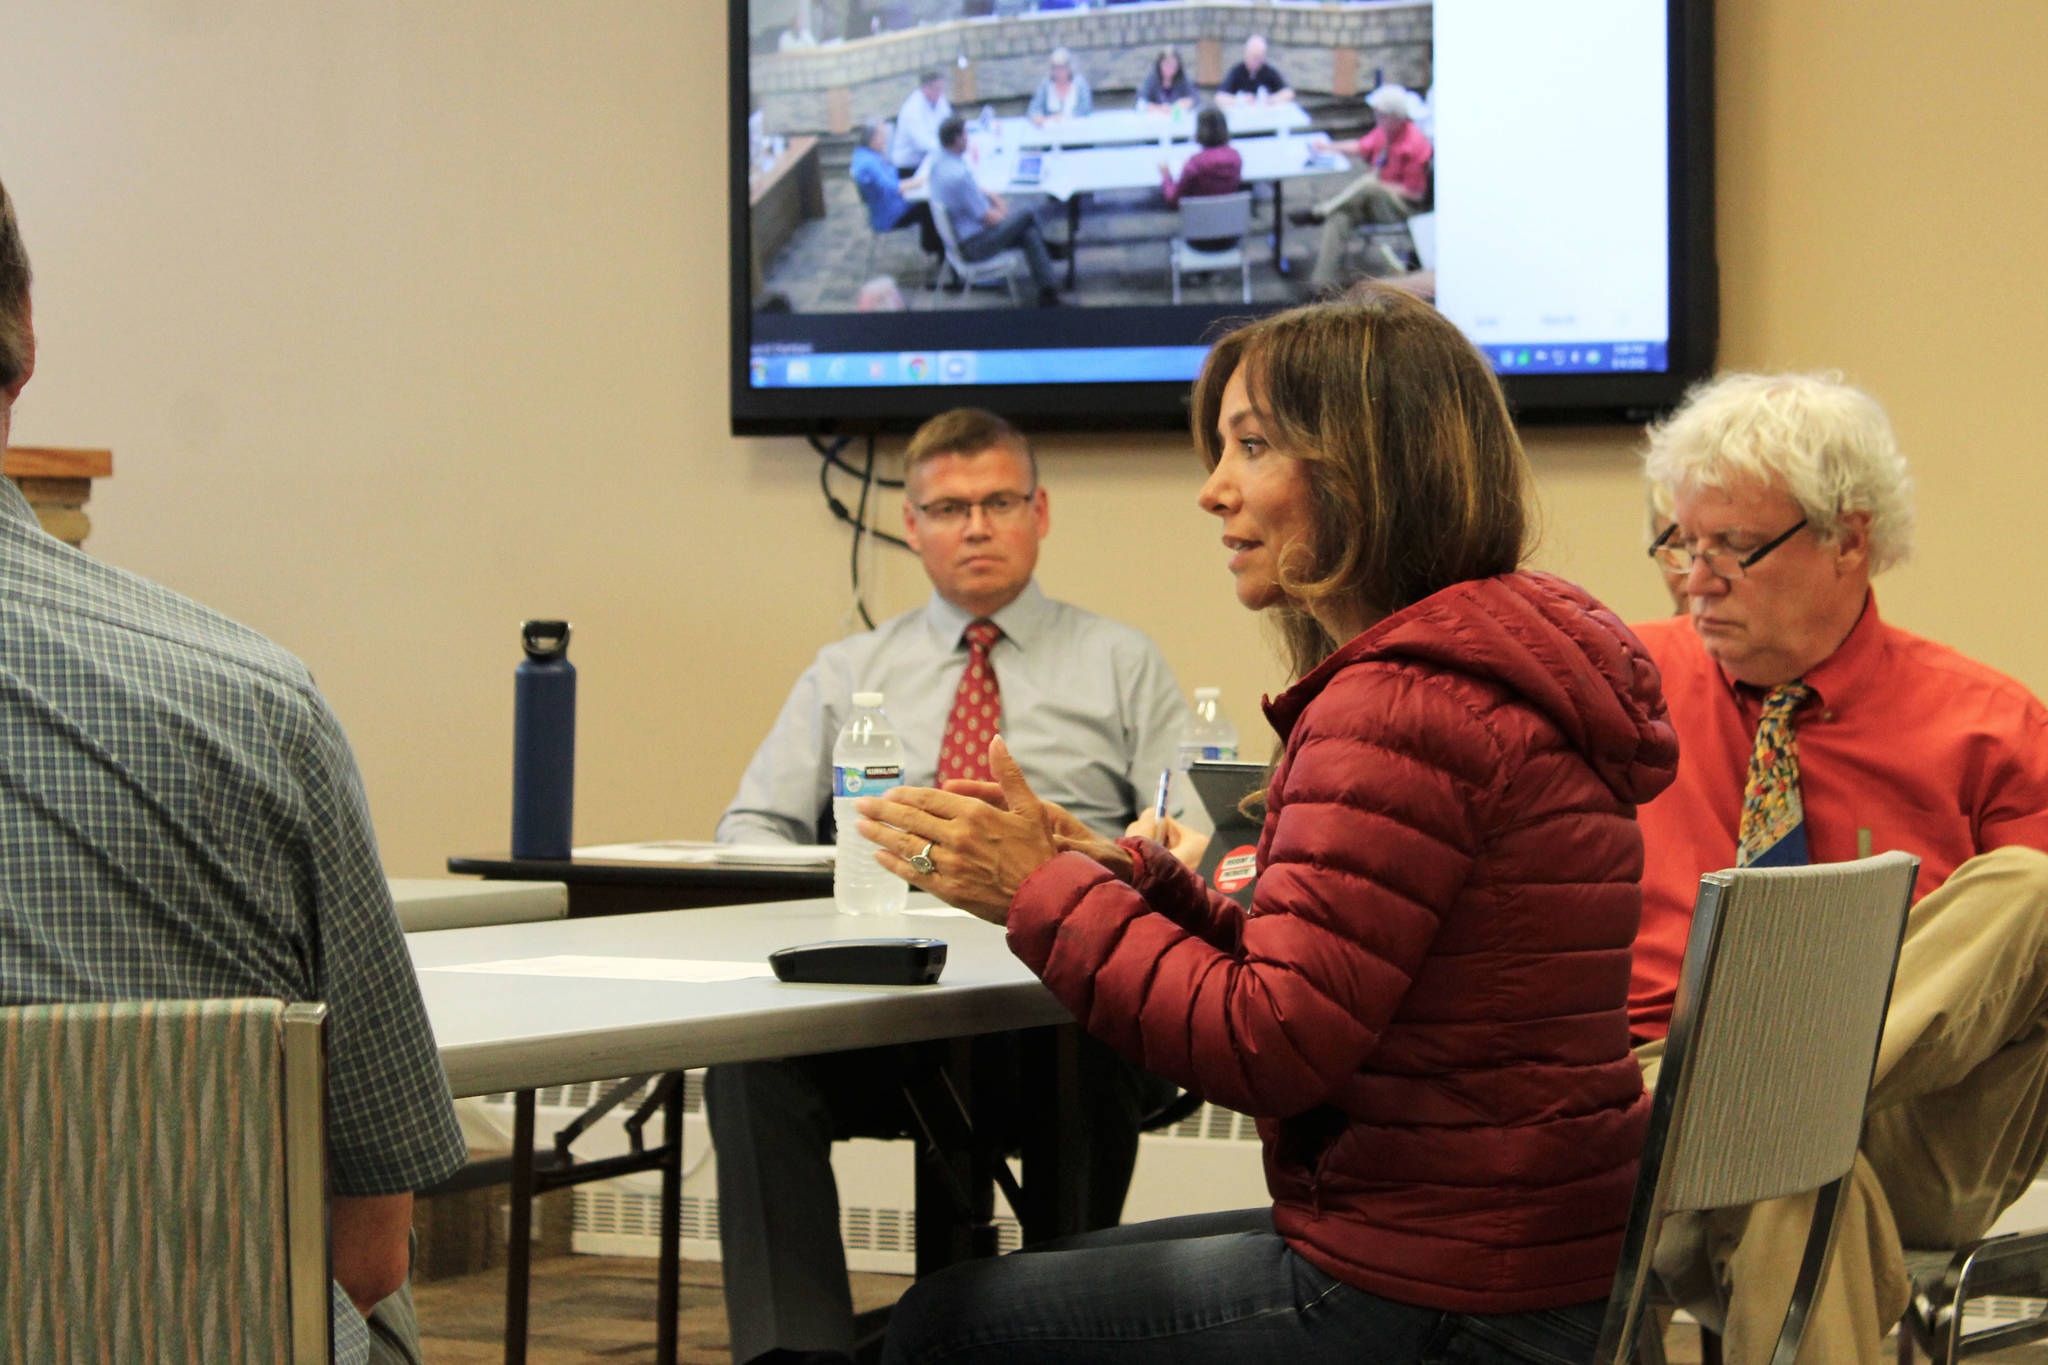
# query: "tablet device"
1030,169
1230,863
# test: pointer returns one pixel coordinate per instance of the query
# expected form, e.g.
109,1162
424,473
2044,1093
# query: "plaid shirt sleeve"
391,1125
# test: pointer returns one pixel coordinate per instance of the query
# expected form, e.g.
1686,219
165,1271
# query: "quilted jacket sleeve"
1372,832
1173,889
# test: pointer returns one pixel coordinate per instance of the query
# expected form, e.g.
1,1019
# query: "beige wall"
408,321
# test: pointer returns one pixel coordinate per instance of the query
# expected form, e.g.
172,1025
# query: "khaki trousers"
1956,1129
1364,200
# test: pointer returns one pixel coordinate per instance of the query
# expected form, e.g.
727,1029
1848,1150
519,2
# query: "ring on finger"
922,860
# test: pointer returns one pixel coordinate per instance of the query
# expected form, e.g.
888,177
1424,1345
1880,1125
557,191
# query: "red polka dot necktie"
977,710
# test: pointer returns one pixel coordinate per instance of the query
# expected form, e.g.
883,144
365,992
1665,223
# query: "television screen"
1050,207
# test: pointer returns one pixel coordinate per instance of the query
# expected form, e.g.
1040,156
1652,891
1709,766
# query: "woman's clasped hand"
983,838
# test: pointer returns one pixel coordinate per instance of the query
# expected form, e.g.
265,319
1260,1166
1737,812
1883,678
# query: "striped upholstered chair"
1774,1034
164,1187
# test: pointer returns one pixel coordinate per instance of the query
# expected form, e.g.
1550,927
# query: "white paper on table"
614,968
696,852
940,912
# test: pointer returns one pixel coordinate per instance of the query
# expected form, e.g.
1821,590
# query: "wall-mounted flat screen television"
1051,207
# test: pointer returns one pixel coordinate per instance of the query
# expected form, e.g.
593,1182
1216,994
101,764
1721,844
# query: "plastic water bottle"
867,760
988,117
543,742
1209,736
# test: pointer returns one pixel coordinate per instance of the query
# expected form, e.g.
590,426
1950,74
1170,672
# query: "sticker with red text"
1237,868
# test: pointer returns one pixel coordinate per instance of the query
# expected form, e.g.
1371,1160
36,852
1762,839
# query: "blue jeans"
1207,1289
1020,230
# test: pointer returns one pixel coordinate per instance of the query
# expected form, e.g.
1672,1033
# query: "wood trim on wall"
57,481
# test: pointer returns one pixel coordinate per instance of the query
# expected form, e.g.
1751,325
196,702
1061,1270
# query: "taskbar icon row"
1578,357
864,368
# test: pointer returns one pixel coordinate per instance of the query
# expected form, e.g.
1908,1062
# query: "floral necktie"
1773,828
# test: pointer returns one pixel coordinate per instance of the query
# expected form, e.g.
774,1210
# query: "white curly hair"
1826,443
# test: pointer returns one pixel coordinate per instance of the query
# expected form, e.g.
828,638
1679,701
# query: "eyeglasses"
1720,560
956,511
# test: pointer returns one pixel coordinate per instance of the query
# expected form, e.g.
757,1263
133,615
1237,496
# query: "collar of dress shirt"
1023,622
1841,677
14,506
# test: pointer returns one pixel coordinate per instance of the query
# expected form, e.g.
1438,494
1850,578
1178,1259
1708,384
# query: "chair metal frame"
303,1056
1799,953
1944,1283
970,273
1206,216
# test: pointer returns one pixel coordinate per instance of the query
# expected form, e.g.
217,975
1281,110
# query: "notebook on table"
1230,863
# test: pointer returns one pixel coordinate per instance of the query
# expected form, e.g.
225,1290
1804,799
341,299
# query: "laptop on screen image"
1230,863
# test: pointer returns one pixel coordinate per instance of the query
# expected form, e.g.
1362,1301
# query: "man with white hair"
880,295
1811,730
1396,154
1253,80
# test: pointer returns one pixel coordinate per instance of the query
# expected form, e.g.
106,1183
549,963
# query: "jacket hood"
1549,642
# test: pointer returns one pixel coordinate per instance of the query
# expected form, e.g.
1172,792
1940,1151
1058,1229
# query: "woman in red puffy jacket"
1425,1006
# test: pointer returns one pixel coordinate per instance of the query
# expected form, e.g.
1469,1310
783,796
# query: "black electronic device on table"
862,962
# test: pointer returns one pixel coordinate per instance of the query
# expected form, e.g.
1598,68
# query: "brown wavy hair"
1417,476
16,345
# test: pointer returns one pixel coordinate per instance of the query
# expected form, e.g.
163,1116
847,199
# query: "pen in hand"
1159,806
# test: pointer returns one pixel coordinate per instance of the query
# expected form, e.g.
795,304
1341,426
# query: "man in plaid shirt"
180,817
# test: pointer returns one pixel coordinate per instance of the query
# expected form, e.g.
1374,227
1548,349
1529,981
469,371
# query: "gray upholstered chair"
165,1191
1213,217
1003,266
1767,1068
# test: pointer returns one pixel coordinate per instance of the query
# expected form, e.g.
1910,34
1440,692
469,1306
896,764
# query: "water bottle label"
1218,753
870,779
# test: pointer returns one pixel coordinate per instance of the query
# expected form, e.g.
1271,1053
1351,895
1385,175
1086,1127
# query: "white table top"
461,903
499,1031
1107,127
1073,171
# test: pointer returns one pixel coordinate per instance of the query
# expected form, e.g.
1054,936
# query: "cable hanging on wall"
831,457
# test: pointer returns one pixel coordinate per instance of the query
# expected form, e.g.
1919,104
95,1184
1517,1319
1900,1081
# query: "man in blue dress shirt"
881,190
1092,713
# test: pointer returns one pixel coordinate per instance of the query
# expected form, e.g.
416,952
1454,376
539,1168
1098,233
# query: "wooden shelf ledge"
57,480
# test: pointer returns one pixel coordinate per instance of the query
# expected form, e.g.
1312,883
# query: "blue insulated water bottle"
543,742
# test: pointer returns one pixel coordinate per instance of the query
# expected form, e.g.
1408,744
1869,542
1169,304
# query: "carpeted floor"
588,1310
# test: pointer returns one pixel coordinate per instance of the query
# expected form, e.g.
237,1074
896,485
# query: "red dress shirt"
1405,165
1929,751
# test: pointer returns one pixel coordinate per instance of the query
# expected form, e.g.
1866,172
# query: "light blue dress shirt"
1090,710
953,188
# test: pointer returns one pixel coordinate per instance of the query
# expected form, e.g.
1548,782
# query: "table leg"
1054,1137
519,1254
1073,235
668,1295
955,1190
1279,226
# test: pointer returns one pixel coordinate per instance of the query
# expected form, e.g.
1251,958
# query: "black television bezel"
1630,398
